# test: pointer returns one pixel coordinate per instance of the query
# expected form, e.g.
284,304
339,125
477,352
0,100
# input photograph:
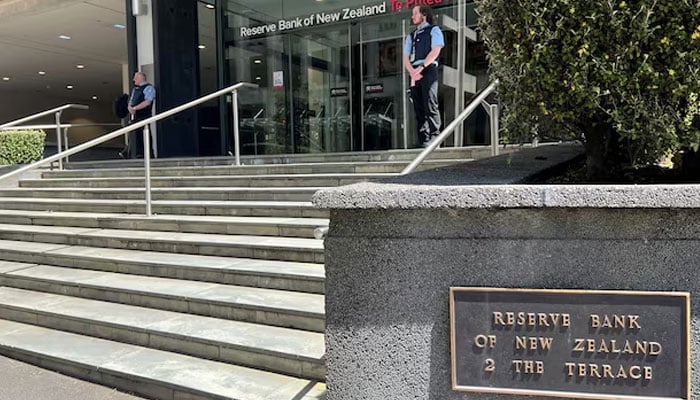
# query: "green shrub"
20,147
623,75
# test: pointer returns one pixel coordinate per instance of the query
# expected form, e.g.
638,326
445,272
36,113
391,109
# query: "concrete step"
269,274
288,351
169,193
303,311
151,373
257,226
282,180
367,156
265,169
247,246
287,209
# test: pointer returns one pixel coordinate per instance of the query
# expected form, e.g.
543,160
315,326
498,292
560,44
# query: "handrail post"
65,141
58,138
494,129
147,167
435,142
236,137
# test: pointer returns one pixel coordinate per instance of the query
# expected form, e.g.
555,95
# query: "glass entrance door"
329,87
381,83
321,91
347,87
263,113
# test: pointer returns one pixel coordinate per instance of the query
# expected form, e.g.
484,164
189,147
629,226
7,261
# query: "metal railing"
480,100
147,137
65,127
57,111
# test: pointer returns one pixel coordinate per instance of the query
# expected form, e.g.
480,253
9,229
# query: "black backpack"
121,106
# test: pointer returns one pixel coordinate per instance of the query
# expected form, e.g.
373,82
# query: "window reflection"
331,87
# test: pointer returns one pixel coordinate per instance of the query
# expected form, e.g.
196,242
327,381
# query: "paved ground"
20,381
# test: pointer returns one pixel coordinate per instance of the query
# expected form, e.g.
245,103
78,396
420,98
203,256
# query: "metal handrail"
146,137
50,126
44,113
453,125
66,127
57,111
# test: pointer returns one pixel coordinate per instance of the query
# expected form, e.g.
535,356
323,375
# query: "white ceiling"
29,43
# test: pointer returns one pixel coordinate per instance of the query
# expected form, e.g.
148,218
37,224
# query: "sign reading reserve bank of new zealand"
571,343
345,14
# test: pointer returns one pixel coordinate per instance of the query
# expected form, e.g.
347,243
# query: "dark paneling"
132,43
177,74
221,73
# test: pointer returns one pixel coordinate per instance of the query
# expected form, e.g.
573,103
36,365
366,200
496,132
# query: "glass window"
208,113
331,76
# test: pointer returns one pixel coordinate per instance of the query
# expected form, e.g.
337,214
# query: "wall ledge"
395,196
496,183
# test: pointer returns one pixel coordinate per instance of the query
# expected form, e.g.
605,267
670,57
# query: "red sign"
398,5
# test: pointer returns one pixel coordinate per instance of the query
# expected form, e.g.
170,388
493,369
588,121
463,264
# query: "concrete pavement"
21,381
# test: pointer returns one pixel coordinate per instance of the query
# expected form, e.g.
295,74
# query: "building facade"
330,72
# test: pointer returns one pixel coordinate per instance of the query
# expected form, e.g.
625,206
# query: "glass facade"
330,73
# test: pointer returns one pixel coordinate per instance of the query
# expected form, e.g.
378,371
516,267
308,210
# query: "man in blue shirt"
140,108
421,51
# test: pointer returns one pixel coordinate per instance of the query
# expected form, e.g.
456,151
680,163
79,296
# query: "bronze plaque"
571,343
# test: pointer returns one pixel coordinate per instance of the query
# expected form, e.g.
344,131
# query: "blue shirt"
149,93
436,39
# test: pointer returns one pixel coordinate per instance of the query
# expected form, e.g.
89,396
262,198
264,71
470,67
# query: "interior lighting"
210,6
5,78
94,97
202,47
64,37
80,66
42,73
120,26
69,87
258,61
258,78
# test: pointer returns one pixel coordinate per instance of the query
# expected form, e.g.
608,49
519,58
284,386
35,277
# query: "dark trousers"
136,143
425,104
137,139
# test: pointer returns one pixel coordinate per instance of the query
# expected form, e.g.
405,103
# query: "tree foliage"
624,75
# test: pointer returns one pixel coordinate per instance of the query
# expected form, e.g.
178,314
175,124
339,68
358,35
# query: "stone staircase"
220,295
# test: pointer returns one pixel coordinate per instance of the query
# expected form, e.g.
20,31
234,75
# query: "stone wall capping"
406,197
504,182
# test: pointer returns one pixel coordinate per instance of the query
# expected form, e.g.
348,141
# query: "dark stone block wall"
393,251
388,275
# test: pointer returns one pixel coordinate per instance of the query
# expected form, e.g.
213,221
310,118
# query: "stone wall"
394,249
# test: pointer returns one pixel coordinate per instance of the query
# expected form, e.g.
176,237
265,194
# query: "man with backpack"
120,107
421,51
